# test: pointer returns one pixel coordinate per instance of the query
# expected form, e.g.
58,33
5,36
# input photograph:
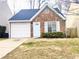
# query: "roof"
59,11
30,14
25,14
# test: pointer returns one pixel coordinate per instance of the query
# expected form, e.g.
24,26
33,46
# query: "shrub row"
53,35
2,32
2,29
4,35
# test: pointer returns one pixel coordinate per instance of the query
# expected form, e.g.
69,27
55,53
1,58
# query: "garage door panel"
20,30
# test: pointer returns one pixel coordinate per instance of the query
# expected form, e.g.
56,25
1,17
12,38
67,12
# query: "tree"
39,3
30,3
14,7
33,4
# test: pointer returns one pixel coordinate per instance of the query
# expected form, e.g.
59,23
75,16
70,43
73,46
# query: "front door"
36,29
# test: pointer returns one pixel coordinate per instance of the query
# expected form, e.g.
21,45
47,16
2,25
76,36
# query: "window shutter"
58,26
46,27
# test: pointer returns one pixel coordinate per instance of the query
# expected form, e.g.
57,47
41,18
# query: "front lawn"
72,44
2,39
47,49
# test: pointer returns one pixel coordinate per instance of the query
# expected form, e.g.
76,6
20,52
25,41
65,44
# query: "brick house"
33,22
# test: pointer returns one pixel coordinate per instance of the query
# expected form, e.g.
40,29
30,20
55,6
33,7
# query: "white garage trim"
9,30
20,30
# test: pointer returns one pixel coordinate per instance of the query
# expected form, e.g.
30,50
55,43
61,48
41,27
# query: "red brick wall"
48,16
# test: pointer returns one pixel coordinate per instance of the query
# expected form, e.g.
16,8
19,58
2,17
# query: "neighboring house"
33,22
72,20
5,14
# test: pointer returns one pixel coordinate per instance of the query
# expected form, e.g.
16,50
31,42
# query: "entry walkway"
6,46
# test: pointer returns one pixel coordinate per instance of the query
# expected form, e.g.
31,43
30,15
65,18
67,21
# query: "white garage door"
20,30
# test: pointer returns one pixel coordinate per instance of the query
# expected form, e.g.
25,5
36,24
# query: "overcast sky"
23,4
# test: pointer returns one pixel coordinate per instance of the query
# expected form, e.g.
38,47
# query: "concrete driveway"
6,46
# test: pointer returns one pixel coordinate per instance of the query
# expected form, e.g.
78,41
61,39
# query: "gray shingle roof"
25,14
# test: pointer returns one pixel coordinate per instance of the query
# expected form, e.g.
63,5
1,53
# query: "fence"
71,32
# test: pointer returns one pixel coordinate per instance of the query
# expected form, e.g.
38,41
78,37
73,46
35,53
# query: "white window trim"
46,27
57,26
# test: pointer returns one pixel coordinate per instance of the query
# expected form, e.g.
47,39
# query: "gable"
48,10
55,10
47,15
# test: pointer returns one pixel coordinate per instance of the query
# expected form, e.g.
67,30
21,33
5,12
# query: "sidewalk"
6,46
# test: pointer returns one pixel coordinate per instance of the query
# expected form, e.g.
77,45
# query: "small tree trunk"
30,1
33,4
39,4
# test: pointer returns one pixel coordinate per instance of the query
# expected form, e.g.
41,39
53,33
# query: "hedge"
2,29
53,35
2,32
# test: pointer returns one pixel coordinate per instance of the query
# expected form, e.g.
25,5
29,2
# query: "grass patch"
75,49
60,43
71,45
2,39
47,49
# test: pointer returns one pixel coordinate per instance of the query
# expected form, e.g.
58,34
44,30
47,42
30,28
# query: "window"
51,26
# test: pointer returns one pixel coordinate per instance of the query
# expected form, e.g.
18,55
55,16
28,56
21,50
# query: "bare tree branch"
30,1
33,3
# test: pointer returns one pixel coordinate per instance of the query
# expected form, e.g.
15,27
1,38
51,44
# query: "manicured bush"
53,35
0,35
5,35
2,29
2,32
